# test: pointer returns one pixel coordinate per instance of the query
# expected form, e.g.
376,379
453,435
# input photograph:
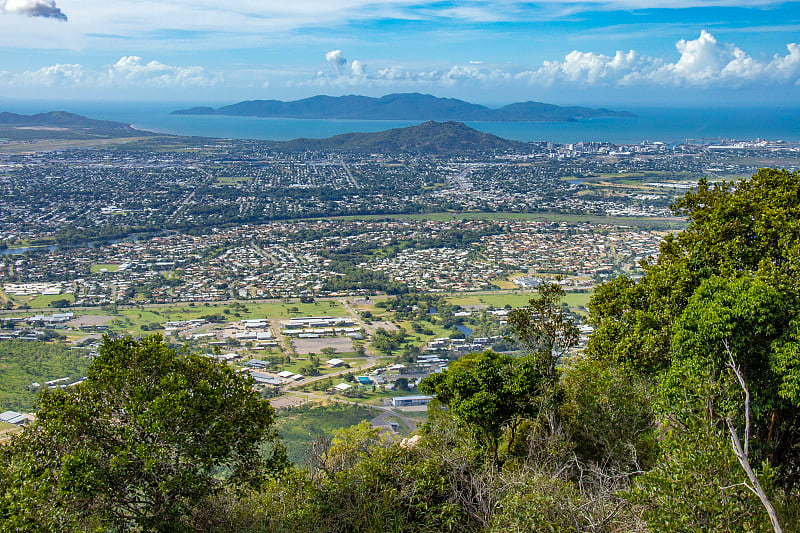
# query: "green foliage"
542,503
139,445
61,302
544,328
25,362
747,229
608,415
698,486
742,315
488,392
387,342
723,292
301,426
362,483
786,362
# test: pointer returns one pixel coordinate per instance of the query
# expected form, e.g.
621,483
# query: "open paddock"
388,326
90,320
306,346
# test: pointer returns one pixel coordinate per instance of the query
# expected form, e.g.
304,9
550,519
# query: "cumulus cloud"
128,72
358,74
66,75
787,67
357,68
702,62
33,8
135,71
54,75
336,59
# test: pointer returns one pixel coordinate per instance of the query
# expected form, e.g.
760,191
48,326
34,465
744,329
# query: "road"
353,182
379,420
209,179
370,362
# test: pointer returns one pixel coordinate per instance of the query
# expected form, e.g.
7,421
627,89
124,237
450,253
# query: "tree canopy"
148,436
713,325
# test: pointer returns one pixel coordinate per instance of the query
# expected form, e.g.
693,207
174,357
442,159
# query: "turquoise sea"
654,124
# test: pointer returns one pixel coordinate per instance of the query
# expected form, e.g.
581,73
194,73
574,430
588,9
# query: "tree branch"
741,453
739,376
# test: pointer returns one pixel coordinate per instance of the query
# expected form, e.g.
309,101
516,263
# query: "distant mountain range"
429,138
62,125
403,106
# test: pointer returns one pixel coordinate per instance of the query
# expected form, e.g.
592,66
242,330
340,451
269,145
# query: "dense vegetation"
683,416
712,329
302,427
23,363
141,445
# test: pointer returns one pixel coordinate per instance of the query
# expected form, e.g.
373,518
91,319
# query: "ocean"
667,125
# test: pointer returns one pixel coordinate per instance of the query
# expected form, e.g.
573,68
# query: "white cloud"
357,68
33,8
398,75
66,75
702,62
134,71
128,72
786,68
335,59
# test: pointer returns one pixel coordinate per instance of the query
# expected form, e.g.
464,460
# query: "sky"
211,52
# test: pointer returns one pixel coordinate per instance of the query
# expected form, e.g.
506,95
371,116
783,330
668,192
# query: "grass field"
301,425
639,222
99,267
515,299
41,301
134,318
7,431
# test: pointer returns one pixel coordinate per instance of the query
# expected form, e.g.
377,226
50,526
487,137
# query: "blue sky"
670,52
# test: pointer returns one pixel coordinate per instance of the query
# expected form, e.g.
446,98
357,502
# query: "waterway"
465,330
52,247
667,125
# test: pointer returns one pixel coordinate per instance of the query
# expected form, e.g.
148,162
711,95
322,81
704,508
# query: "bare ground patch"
288,401
90,320
388,326
306,346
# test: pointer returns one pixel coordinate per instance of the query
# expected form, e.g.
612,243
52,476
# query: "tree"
608,414
385,342
748,228
727,287
140,444
61,302
544,328
488,392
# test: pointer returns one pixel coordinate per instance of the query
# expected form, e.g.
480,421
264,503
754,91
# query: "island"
404,106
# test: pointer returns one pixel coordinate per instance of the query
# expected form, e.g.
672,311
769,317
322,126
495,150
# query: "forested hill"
403,106
62,125
429,138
